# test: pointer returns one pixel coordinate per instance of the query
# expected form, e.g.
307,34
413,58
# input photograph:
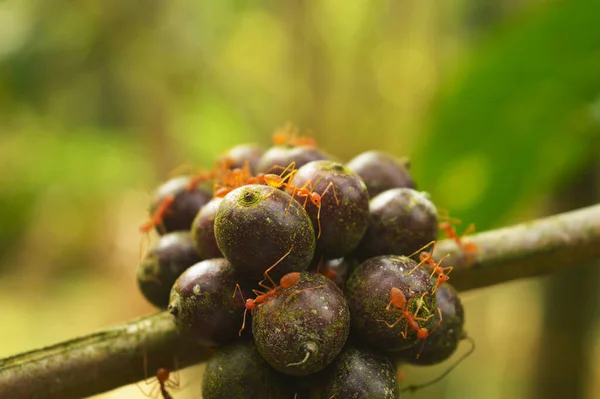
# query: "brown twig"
525,250
98,362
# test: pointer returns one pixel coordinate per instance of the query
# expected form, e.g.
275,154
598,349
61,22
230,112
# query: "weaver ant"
448,227
238,177
156,219
289,135
232,179
401,305
163,377
427,257
158,214
287,281
306,190
220,168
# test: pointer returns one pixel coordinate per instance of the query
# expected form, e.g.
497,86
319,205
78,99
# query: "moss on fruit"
302,328
258,225
368,293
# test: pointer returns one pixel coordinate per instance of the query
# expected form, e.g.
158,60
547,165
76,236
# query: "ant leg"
337,201
238,288
413,388
405,332
449,230
419,308
439,322
266,273
470,229
438,269
319,221
243,323
319,264
296,292
416,267
393,324
431,243
276,315
176,380
146,381
289,177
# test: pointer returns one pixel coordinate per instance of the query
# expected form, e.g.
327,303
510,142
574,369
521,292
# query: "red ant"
233,179
156,219
158,214
305,190
218,171
427,257
163,377
450,231
287,281
240,177
289,135
398,299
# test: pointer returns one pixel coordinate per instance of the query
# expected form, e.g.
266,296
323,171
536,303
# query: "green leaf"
519,119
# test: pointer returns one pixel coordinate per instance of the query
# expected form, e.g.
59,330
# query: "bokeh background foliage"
496,102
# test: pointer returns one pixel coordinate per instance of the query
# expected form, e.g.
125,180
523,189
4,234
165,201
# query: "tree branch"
115,357
100,361
543,246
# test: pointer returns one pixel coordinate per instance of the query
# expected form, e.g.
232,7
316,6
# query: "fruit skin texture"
381,171
368,294
202,303
164,263
238,371
343,225
357,373
183,210
401,221
443,341
317,322
203,230
257,225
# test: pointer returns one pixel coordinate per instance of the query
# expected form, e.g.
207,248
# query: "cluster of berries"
334,262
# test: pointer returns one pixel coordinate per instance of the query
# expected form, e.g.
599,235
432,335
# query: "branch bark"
100,361
108,359
542,246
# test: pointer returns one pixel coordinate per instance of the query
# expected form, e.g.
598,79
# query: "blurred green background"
496,102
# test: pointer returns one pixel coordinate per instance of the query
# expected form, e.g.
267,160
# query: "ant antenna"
413,388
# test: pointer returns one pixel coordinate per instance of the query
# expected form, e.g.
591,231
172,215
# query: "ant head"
162,375
315,198
442,278
422,333
250,304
